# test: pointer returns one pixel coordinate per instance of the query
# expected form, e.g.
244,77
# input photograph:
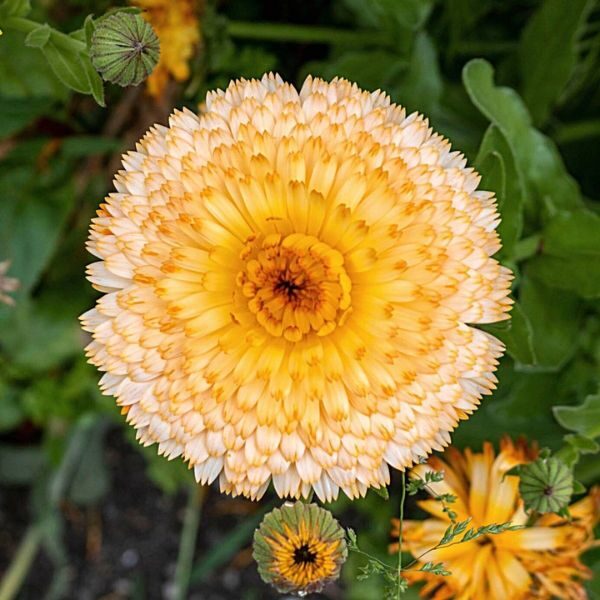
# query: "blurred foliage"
514,84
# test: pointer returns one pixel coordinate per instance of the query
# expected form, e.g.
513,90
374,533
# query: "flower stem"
59,39
187,543
284,32
402,500
21,563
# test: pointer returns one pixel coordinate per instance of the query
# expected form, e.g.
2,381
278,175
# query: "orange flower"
176,25
288,280
540,561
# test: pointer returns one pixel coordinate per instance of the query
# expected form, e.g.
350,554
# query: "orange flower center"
295,285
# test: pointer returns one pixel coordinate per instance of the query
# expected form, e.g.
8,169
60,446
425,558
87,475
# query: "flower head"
540,561
176,24
288,280
299,548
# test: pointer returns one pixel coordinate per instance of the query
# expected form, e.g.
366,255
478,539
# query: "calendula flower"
7,284
178,29
288,282
540,561
299,548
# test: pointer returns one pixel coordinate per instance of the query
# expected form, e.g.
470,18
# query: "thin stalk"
577,131
402,500
21,563
59,39
284,32
187,542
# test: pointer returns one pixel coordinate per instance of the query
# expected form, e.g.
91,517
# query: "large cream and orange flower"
289,281
538,562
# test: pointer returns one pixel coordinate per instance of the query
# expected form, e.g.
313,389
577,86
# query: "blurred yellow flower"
299,548
176,24
540,561
289,282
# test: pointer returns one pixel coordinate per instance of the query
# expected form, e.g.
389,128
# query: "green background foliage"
513,84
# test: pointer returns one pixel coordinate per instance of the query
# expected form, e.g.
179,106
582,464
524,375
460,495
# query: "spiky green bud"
124,49
546,485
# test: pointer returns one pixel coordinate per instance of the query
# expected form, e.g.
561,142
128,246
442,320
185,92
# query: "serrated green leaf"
38,37
548,52
68,68
583,419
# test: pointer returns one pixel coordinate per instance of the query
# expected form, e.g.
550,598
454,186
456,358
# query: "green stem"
284,32
59,39
577,131
21,563
400,526
187,543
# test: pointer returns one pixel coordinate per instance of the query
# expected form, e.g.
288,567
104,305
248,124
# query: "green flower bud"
546,485
299,548
124,49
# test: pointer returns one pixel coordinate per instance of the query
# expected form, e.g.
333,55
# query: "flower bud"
546,485
124,49
299,548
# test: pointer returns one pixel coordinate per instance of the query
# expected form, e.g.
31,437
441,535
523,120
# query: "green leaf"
517,335
582,444
39,335
410,14
16,115
24,71
88,28
38,37
15,8
34,207
382,492
570,257
497,165
583,419
421,86
68,68
548,52
536,157
555,324
94,80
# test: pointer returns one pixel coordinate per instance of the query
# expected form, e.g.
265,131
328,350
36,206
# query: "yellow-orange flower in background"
541,561
288,280
178,29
